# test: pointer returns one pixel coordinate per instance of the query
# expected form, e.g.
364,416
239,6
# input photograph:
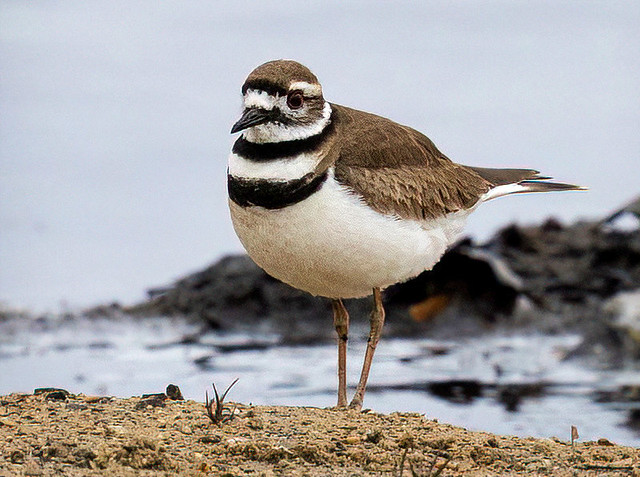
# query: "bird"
342,203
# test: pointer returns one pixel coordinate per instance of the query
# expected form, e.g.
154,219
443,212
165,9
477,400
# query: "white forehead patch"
255,98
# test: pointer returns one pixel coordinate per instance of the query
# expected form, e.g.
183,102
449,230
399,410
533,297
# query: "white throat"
275,132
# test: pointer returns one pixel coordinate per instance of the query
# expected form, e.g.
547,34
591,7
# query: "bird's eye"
295,100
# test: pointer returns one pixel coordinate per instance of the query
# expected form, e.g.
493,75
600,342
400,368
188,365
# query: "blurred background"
114,135
116,115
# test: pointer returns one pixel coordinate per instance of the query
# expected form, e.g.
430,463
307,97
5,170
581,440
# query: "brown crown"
274,77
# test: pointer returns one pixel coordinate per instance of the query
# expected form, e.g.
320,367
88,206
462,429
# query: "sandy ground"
54,433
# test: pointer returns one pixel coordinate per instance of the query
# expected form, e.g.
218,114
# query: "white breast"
331,244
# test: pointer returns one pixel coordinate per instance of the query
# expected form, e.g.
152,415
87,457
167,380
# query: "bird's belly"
331,244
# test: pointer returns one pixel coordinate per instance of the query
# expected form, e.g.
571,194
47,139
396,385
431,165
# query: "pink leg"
377,322
341,323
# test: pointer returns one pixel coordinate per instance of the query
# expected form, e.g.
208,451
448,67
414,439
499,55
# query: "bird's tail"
524,187
519,181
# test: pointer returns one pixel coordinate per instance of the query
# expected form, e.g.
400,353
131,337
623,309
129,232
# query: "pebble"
236,440
352,439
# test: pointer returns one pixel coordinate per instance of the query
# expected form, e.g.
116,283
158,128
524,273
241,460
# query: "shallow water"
468,383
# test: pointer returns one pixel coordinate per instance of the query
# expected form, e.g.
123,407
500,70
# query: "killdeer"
342,203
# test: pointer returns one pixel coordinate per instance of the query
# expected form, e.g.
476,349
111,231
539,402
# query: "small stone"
352,439
95,399
17,457
210,439
236,440
60,395
374,436
51,390
173,392
604,442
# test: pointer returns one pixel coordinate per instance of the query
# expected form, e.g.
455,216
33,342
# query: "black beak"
252,117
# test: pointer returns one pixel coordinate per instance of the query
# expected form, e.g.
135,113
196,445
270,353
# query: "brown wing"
399,171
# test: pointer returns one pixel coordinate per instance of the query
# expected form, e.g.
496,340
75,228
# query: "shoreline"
56,433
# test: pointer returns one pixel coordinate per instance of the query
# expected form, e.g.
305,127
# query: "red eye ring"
295,99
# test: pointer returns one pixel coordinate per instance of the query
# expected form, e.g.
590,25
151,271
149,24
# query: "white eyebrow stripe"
254,98
307,88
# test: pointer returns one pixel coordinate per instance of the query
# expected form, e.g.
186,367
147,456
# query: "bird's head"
282,101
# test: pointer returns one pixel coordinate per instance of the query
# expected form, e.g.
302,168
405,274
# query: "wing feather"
399,171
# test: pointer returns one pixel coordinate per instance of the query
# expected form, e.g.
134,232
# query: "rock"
53,394
173,392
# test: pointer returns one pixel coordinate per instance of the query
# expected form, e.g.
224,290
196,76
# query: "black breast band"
272,194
